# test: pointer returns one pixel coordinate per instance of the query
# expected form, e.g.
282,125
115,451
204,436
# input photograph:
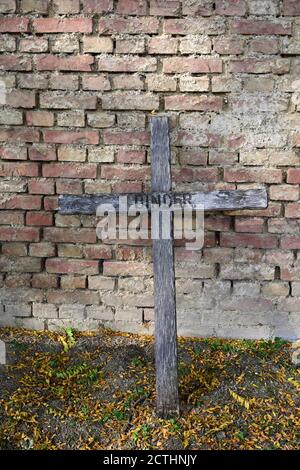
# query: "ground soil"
97,391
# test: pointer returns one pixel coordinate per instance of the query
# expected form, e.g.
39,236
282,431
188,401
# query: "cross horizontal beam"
220,200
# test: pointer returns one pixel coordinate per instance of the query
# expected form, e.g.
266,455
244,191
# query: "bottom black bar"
137,459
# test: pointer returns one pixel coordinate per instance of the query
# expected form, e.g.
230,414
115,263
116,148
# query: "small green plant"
19,347
266,348
119,415
68,340
175,426
137,362
71,372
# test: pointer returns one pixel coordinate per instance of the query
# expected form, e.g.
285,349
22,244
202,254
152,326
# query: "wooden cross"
163,254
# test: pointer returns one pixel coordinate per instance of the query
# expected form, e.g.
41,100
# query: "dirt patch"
97,391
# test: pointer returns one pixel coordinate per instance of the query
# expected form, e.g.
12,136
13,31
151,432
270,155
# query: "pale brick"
101,155
100,313
71,311
44,310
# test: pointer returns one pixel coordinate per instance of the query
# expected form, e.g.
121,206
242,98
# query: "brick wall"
80,80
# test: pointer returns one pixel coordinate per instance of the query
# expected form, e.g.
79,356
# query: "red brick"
164,7
230,46
22,202
192,65
189,175
126,137
70,170
97,6
14,249
128,82
21,99
129,253
19,169
40,118
71,137
131,7
193,103
97,252
162,45
79,63
13,153
17,280
39,218
231,7
217,223
65,266
24,234
109,172
63,25
70,235
290,243
14,24
248,240
19,135
51,203
193,157
291,8
253,175
96,82
127,187
248,224
128,25
293,176
261,27
131,156
68,186
42,153
44,281
33,81
265,45
251,66
11,218
42,250
127,64
41,187
15,62
292,211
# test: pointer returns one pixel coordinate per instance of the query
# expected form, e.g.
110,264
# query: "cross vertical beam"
164,280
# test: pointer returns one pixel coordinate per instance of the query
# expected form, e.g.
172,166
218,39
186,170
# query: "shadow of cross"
163,254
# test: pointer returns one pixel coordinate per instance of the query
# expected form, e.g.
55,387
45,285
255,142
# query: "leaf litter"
72,390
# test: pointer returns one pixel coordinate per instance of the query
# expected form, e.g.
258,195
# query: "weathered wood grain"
163,255
211,201
164,281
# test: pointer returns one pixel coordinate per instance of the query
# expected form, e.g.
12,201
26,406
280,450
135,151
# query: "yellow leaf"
294,382
241,400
